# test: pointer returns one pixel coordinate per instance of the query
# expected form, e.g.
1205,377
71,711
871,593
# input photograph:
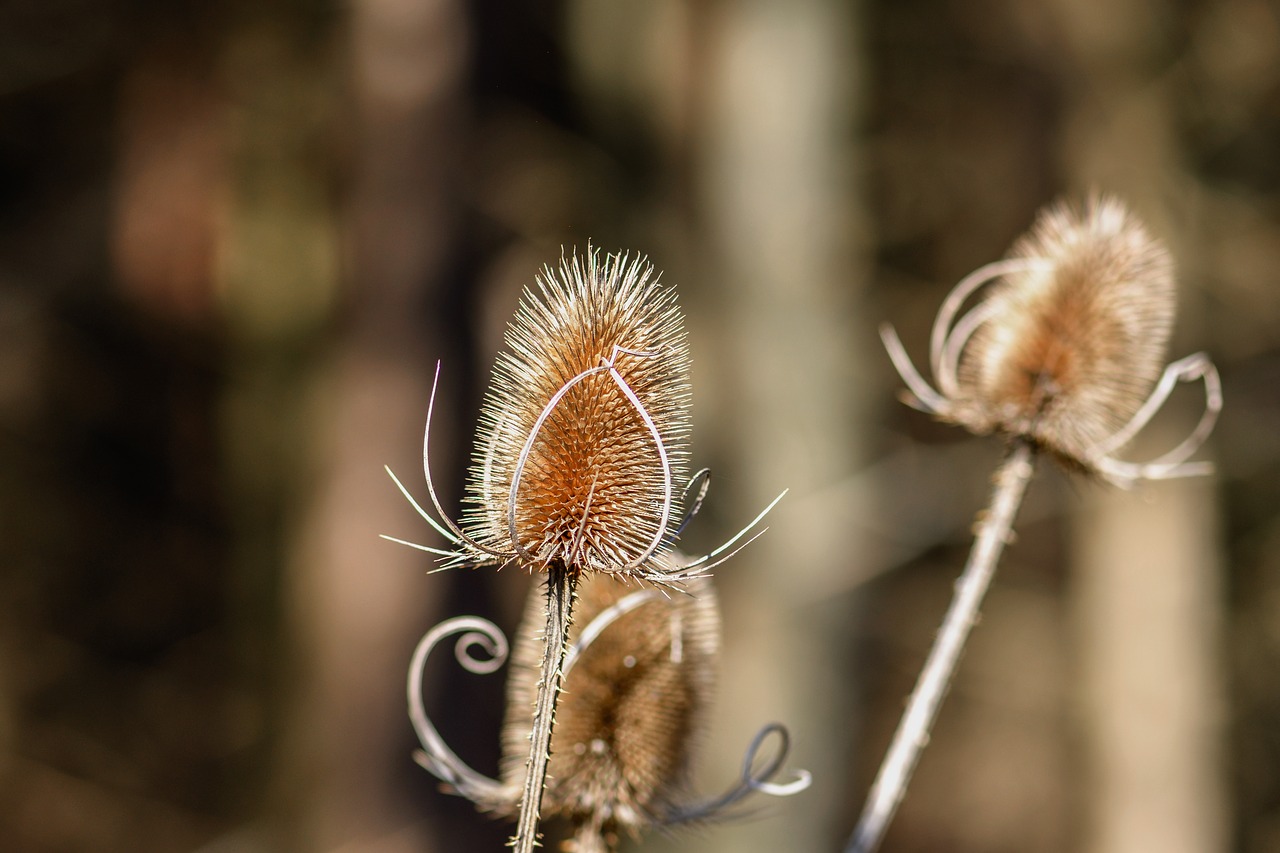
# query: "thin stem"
561,591
913,732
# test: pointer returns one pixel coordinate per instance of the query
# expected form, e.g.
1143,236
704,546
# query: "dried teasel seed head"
583,440
1075,336
580,471
637,686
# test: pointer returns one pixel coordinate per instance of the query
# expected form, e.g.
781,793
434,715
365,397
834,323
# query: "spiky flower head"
585,424
1076,334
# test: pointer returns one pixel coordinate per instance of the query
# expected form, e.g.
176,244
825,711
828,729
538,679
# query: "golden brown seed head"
633,705
592,490
1075,344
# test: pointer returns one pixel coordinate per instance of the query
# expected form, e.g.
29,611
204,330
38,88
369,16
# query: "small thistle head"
1066,349
585,425
1076,338
637,685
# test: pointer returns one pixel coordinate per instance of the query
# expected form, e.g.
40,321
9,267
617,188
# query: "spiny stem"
561,590
913,732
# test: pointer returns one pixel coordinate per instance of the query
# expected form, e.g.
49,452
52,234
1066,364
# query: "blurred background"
235,238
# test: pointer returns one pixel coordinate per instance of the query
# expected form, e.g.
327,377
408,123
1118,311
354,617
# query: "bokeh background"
235,238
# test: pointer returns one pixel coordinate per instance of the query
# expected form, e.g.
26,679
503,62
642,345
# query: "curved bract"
435,756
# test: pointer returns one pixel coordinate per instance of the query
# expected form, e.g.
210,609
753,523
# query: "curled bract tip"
435,756
759,770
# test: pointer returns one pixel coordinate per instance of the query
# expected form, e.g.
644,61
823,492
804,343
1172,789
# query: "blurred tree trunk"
786,280
277,290
1146,573
359,603
1145,600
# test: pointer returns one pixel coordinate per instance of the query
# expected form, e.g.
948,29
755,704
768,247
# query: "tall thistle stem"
562,583
935,678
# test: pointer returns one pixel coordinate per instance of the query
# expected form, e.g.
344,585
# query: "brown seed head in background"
633,706
1066,349
1076,338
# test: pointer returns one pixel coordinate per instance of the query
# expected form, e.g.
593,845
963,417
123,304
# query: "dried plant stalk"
561,585
935,677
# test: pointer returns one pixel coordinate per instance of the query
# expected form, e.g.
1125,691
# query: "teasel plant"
1063,354
579,470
